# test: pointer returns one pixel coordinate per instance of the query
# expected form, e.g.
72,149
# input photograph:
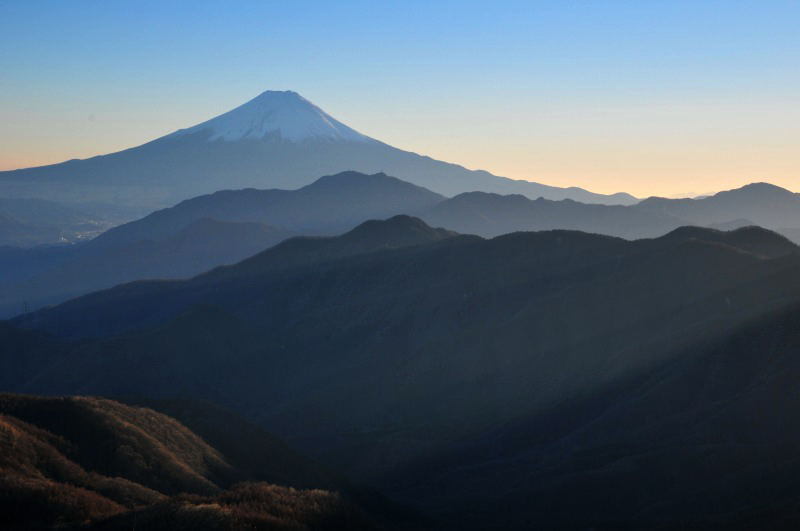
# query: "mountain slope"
449,369
295,253
66,462
705,441
755,240
201,245
277,140
394,342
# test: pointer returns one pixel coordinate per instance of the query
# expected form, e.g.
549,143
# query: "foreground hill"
460,374
276,140
69,462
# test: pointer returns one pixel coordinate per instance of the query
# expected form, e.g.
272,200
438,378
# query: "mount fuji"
276,140
281,116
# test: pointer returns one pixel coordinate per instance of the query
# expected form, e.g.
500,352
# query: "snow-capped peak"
281,114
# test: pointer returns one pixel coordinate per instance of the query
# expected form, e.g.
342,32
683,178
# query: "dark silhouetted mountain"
370,236
69,462
755,240
276,140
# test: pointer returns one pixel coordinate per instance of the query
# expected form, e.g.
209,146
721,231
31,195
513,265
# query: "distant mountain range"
485,214
276,140
228,226
560,378
761,204
199,234
330,205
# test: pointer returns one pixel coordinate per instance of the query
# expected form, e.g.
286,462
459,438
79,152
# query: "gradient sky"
662,97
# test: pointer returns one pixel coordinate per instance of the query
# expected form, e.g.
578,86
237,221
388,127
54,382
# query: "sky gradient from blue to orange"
649,97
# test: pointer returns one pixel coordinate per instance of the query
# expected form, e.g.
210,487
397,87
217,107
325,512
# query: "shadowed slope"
389,347
386,350
706,440
72,461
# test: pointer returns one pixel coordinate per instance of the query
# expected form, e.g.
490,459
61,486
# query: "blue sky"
646,96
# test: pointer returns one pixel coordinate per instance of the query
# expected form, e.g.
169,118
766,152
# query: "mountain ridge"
230,225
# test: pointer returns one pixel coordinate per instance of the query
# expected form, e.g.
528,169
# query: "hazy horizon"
673,99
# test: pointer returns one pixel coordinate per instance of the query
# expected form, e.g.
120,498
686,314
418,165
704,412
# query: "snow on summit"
283,114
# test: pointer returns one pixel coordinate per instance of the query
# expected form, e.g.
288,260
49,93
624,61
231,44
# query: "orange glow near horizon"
668,173
676,151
